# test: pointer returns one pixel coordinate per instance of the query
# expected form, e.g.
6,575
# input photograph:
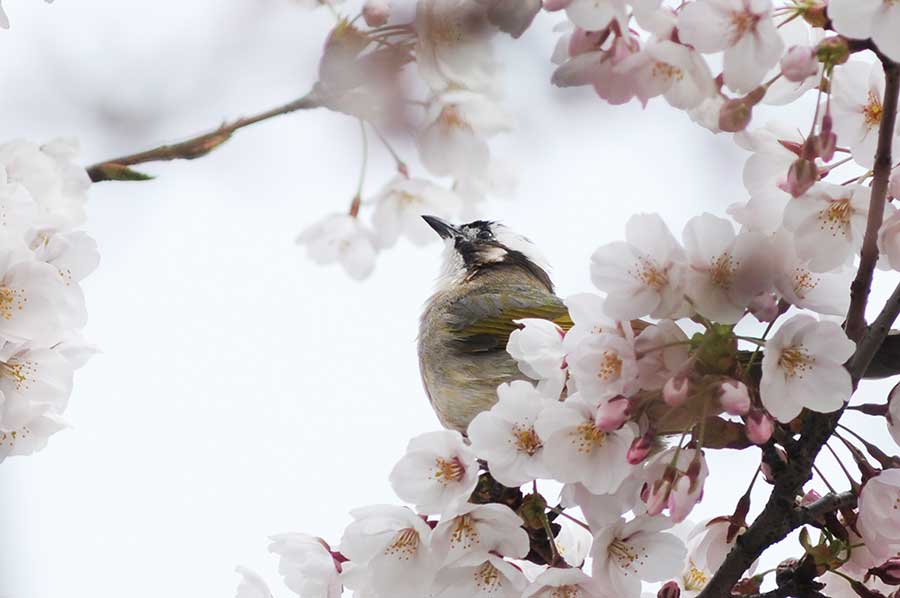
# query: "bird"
490,277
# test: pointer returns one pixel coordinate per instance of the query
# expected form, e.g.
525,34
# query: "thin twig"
195,147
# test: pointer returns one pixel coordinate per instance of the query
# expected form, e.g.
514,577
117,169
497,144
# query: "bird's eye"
484,234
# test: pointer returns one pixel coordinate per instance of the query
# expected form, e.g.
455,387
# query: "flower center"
667,71
794,361
11,301
527,440
695,579
624,554
650,274
742,23
450,118
587,436
487,578
405,544
20,372
722,270
610,366
449,471
804,281
836,217
464,533
565,592
873,111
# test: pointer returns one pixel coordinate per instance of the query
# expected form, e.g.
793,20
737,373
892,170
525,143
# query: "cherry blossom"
828,224
307,566
604,366
437,474
734,397
394,545
594,15
494,578
742,28
803,367
674,480
577,450
861,19
589,318
573,542
602,510
627,553
821,292
879,506
570,583
400,206
453,44
470,537
662,351
642,275
25,427
538,349
671,70
506,437
856,104
598,68
726,270
343,239
889,240
252,584
893,416
708,544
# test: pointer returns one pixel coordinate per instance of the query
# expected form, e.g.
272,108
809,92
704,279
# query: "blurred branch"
779,517
118,169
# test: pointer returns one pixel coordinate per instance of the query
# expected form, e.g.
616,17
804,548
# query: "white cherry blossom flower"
604,366
889,240
453,48
25,427
708,545
893,416
861,19
32,297
589,319
662,350
438,473
829,223
803,367
563,583
341,238
38,376
601,510
494,578
627,553
454,142
577,450
726,271
393,543
822,292
598,68
400,206
742,28
307,566
505,436
879,514
856,106
478,530
672,70
573,542
594,15
537,348
641,275
252,584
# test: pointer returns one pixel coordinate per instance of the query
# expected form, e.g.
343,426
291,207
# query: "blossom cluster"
43,258
457,110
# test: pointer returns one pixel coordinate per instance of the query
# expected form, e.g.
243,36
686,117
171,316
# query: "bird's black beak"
441,227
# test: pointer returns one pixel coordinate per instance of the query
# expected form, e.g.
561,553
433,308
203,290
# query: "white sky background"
242,390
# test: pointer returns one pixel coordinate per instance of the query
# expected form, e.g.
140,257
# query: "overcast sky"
243,391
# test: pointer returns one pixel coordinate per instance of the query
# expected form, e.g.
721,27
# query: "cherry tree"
624,403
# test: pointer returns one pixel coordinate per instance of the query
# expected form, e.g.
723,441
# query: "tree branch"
779,517
117,169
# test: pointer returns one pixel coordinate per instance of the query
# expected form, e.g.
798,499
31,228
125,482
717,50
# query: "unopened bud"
799,64
640,448
735,397
376,12
759,427
801,176
735,115
675,391
888,572
611,415
670,589
554,5
814,13
825,142
764,307
833,50
657,496
809,498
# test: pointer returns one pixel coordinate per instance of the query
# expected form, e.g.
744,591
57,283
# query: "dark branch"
117,169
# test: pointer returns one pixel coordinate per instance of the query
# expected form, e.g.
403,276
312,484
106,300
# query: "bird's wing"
483,322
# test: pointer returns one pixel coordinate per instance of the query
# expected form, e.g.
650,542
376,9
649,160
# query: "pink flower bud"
759,427
612,414
640,448
675,391
764,307
809,498
802,175
735,397
657,496
376,12
670,589
735,115
825,143
799,64
888,572
554,5
894,185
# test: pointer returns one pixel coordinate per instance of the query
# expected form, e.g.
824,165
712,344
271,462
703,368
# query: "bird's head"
482,245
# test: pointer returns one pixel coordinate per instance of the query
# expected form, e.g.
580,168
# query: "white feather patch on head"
517,242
